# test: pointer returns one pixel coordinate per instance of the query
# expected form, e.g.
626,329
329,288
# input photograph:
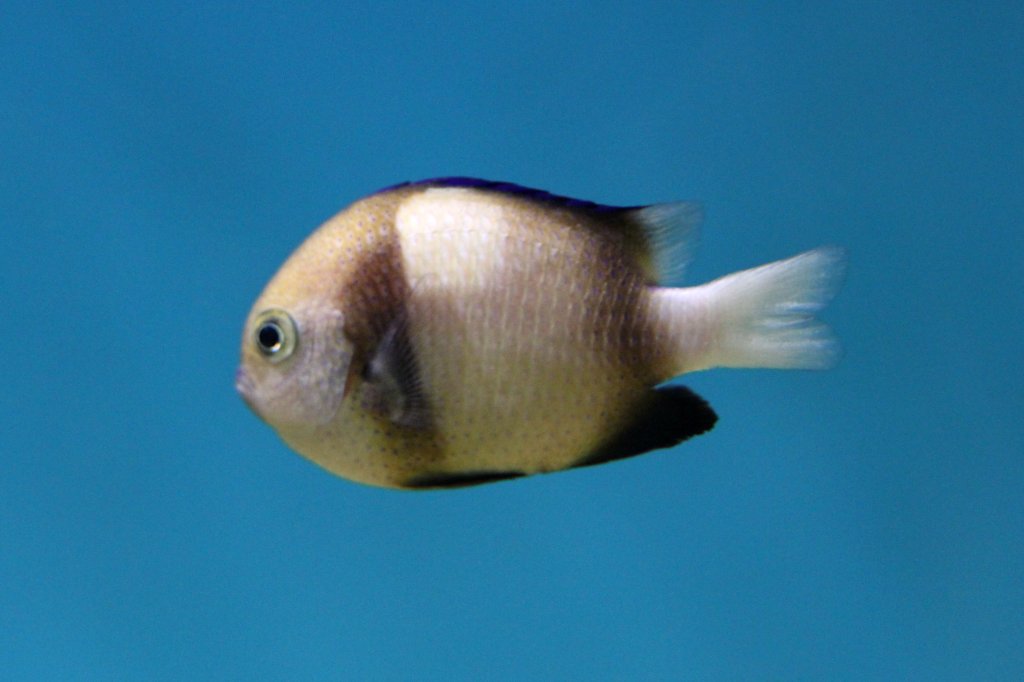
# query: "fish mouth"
244,386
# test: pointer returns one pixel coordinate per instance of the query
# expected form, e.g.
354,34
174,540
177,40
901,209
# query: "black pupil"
269,337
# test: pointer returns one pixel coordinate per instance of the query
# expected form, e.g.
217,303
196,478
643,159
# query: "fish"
455,331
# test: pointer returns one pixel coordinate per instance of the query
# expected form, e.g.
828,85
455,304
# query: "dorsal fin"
670,231
660,238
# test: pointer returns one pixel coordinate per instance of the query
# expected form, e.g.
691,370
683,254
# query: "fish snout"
244,386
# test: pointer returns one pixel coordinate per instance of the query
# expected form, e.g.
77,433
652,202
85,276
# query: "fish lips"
246,388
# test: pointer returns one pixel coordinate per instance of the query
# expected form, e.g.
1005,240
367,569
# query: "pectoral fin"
669,415
391,384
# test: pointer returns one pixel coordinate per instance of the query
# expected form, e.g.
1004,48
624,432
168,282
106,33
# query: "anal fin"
669,415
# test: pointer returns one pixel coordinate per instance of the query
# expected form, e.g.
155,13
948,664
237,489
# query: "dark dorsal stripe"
513,189
670,415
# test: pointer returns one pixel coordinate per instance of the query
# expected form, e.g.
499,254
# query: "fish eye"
275,335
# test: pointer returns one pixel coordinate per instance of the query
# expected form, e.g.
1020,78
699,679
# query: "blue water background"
160,160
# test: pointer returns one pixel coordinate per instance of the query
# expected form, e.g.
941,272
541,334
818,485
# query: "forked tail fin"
762,317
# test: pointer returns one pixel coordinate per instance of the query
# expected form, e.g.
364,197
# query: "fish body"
457,331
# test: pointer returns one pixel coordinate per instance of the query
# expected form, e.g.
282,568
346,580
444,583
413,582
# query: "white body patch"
499,309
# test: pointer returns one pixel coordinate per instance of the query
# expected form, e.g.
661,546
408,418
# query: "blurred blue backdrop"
158,166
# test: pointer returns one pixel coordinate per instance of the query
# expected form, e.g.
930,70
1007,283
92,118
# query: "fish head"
295,356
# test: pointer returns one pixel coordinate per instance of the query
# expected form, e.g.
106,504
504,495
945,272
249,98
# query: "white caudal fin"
766,316
762,317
